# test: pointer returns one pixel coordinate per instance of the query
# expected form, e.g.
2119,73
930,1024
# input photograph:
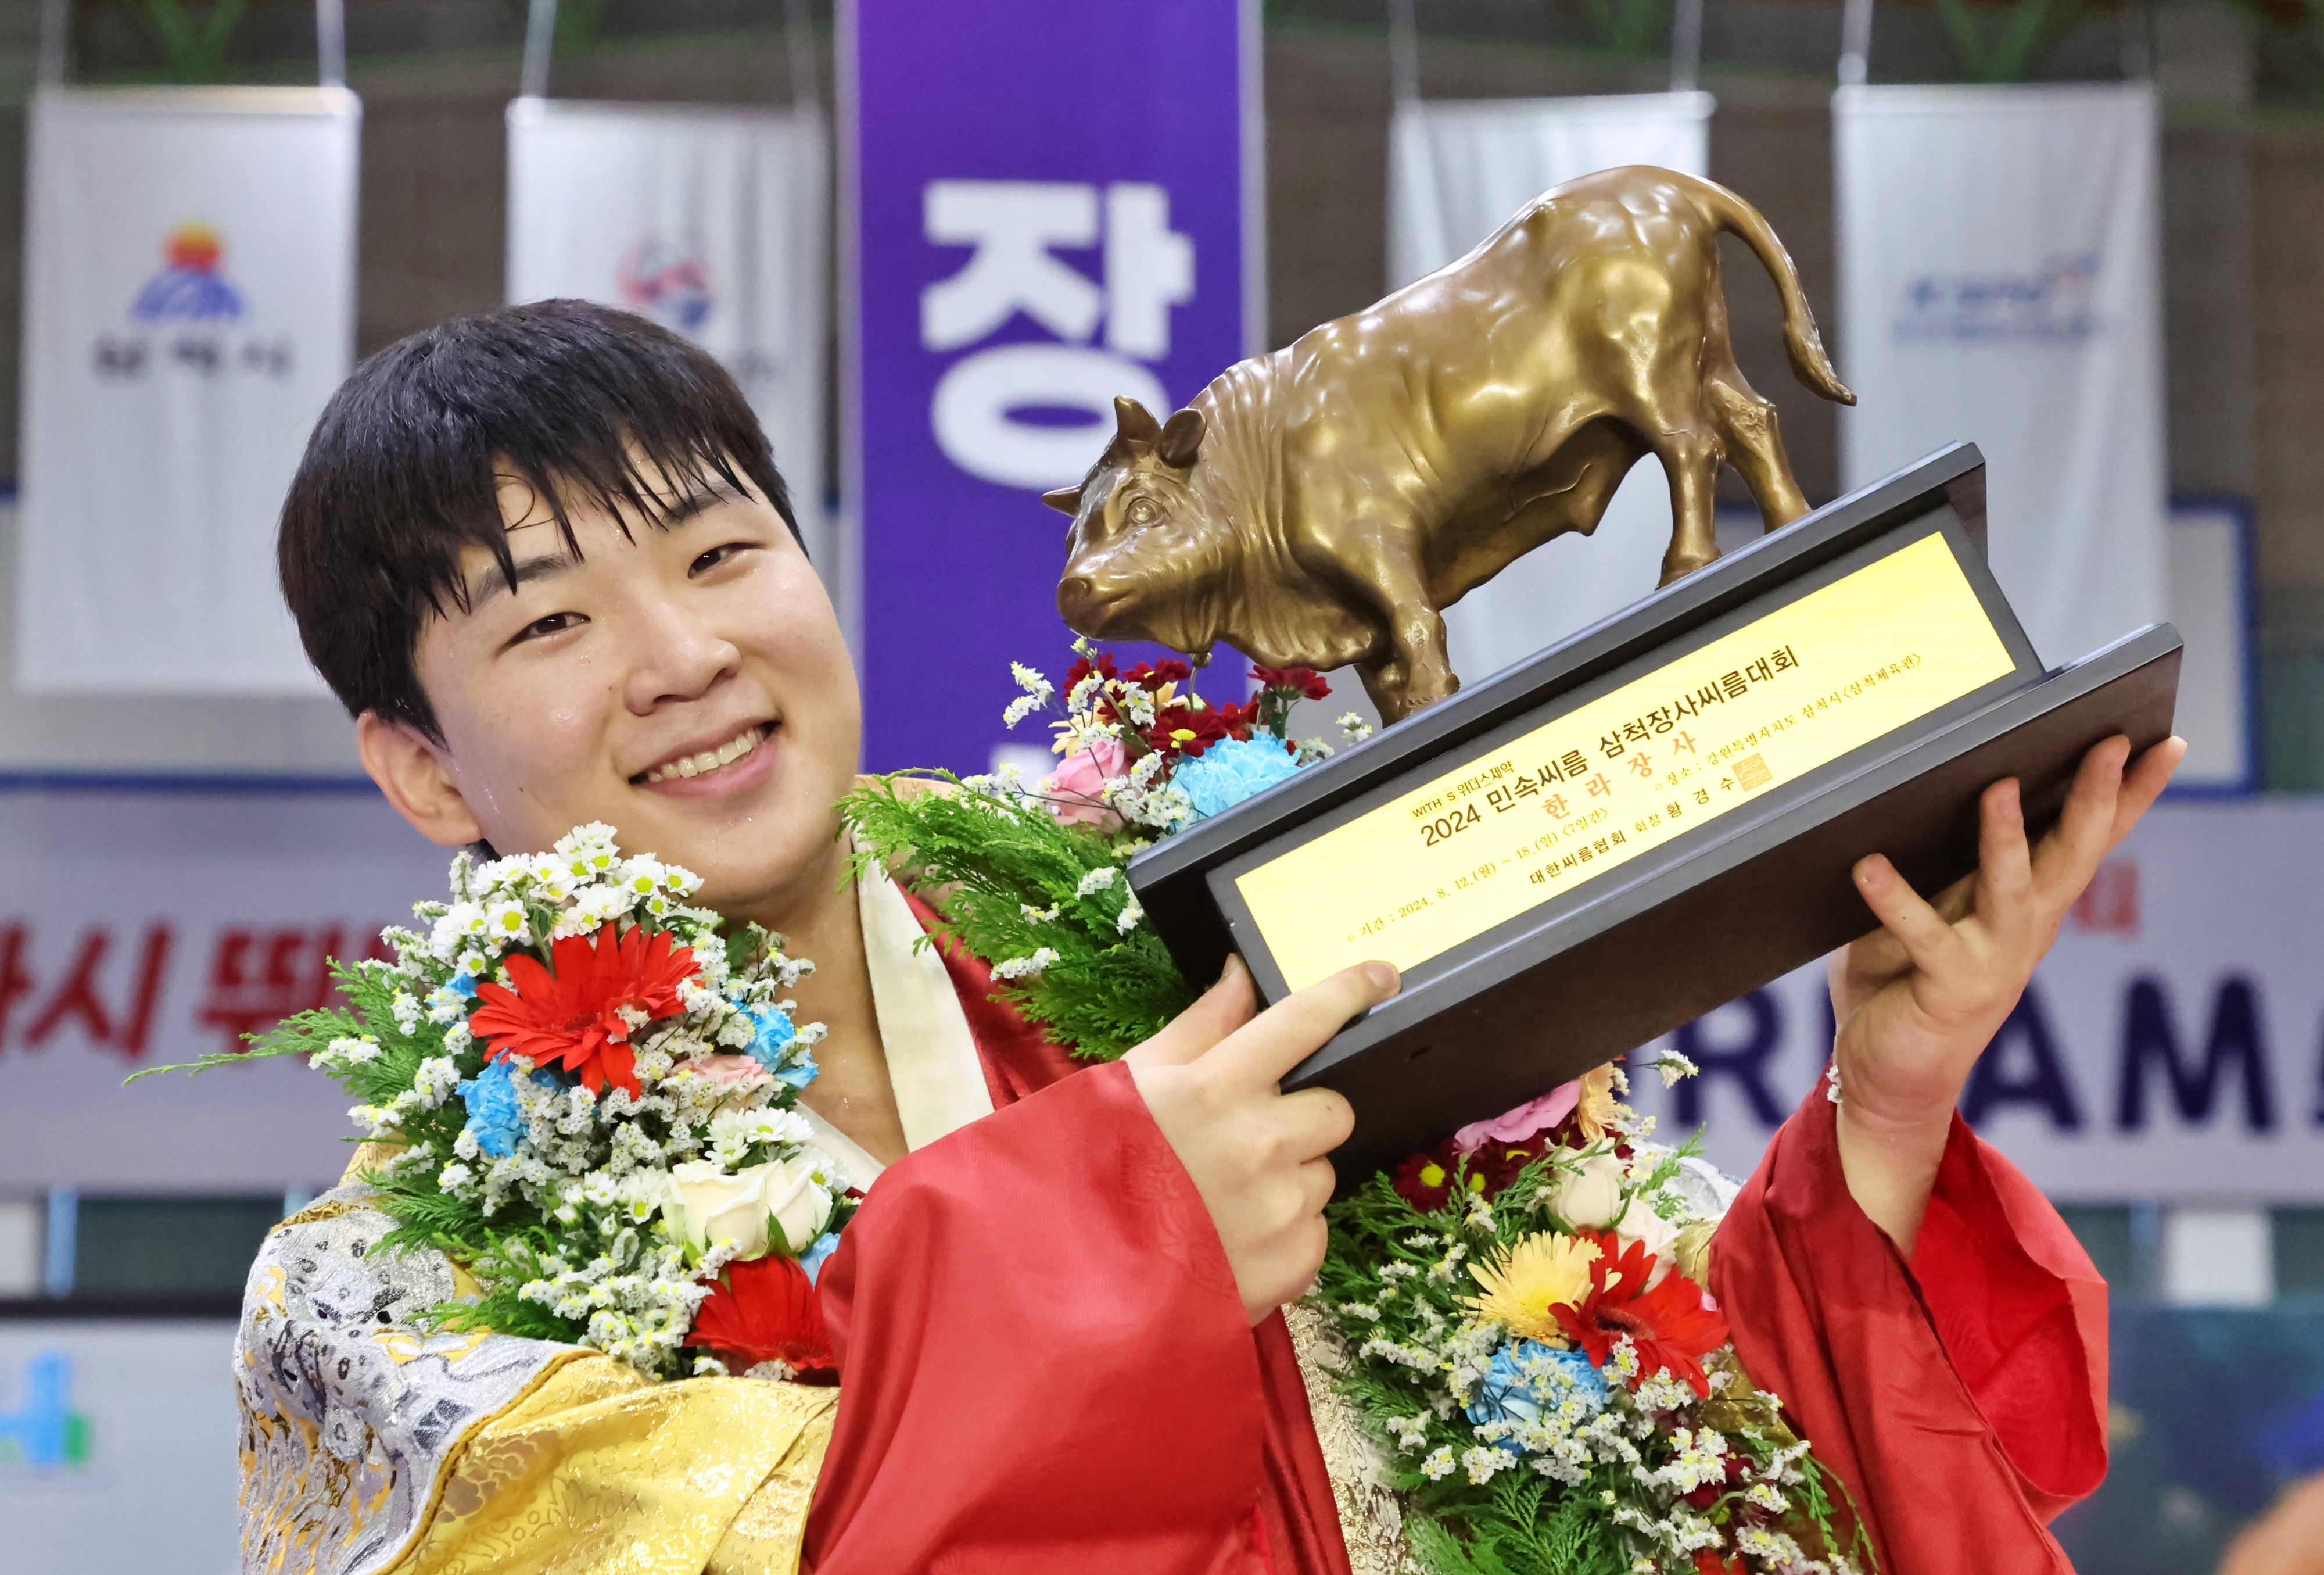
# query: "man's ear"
412,773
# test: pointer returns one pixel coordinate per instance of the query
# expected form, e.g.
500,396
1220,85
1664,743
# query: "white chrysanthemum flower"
1098,880
1131,915
1439,1464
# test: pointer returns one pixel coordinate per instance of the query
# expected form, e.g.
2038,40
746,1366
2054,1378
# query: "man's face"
686,684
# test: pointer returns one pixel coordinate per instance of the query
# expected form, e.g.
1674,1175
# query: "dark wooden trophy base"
1556,897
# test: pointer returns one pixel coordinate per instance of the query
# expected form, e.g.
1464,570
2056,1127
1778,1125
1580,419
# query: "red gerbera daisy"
573,1017
1305,680
767,1310
1669,1325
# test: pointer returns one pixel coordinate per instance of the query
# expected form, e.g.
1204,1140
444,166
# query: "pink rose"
738,1074
1516,1125
1076,790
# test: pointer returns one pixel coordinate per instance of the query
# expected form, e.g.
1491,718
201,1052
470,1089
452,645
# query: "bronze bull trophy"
1323,504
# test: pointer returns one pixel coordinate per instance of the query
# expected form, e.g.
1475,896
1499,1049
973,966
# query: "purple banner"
1048,209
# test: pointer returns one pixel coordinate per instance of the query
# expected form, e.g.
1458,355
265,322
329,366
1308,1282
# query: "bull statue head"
1147,555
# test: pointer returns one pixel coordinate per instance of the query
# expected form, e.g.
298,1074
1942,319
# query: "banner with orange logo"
189,270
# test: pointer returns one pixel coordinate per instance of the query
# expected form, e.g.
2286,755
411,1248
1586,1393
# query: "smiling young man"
545,559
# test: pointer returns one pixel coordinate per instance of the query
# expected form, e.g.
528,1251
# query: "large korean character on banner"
1032,234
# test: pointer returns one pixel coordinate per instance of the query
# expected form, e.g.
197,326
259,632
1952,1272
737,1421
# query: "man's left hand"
1920,998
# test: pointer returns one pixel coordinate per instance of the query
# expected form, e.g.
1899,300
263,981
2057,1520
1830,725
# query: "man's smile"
692,763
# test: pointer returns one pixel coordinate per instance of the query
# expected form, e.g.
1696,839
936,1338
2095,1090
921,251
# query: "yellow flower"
1597,1110
1528,1278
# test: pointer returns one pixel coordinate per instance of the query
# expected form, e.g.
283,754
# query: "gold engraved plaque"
1511,826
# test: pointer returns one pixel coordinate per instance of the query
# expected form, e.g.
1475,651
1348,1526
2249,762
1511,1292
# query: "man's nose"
679,657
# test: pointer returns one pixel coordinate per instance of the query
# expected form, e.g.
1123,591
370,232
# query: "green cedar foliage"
1008,881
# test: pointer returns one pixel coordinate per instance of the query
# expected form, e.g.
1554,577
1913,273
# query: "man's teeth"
726,754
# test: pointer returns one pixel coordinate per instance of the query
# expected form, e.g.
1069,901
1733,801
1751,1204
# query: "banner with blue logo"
189,274
710,221
2000,279
1052,203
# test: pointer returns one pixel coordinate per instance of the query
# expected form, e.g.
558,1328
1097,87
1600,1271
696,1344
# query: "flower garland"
586,1097
1529,1340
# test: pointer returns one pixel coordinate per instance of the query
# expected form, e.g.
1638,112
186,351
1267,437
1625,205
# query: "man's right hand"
1256,1154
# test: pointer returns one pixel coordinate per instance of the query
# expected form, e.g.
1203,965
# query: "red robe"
1046,1368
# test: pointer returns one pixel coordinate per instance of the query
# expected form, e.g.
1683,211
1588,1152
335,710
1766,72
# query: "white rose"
705,1206
1640,1223
1589,1195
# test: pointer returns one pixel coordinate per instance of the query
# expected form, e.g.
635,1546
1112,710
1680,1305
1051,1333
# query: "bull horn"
1182,440
1133,422
1065,500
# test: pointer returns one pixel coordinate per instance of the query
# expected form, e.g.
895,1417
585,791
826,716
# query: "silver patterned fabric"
349,1420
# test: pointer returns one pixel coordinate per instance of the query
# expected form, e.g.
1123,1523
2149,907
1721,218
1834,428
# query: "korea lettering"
1507,830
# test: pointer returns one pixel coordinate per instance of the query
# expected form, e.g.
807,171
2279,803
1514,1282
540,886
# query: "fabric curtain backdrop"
709,221
2000,280
1457,172
190,266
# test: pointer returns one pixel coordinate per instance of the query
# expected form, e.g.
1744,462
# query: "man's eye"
718,555
541,628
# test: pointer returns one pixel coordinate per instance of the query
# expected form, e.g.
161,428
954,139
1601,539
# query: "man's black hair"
583,403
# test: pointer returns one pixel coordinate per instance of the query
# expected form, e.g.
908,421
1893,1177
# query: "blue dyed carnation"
773,1048
1528,1376
1231,771
822,1247
463,984
494,1119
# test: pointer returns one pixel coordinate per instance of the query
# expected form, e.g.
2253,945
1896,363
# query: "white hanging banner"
1457,172
189,273
2000,280
709,221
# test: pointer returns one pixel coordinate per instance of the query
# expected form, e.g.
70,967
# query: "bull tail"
1801,343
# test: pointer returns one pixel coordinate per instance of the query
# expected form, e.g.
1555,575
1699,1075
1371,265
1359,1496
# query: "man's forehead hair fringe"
621,486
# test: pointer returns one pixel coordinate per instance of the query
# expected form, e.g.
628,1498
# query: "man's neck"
818,917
